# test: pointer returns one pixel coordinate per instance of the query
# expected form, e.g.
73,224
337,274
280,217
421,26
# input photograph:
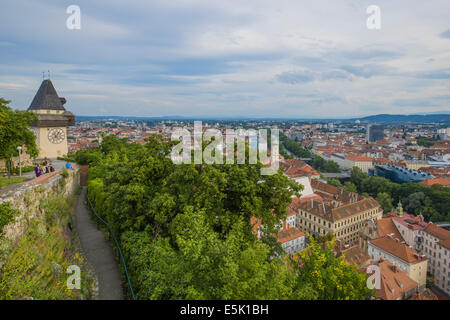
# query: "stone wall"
27,196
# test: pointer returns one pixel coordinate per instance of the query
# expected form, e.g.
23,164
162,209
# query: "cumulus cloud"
222,58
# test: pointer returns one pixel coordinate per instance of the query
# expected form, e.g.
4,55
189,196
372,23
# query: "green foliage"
7,215
203,266
414,202
276,250
350,186
294,147
86,157
385,200
334,182
425,142
185,230
36,266
7,181
23,169
331,277
64,173
14,131
412,195
323,165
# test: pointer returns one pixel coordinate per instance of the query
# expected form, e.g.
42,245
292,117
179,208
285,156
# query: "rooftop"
398,249
47,98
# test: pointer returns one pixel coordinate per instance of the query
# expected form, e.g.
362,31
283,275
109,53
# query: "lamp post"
19,148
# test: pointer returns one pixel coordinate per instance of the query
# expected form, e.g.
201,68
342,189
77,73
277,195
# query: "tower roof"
47,98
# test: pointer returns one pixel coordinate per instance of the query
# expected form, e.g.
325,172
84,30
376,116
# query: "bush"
36,266
64,173
7,215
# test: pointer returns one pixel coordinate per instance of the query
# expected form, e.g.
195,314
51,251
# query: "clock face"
56,136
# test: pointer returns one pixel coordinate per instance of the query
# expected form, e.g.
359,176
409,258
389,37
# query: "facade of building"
436,246
395,284
51,128
400,174
292,239
335,210
364,163
402,256
374,133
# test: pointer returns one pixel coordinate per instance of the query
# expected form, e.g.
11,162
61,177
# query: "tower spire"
399,209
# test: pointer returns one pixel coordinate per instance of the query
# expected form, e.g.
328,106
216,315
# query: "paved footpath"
98,252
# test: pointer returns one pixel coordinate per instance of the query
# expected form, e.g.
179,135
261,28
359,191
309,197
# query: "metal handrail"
117,244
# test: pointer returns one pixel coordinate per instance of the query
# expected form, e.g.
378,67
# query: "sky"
233,58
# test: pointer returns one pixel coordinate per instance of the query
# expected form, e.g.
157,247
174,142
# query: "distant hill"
412,118
380,118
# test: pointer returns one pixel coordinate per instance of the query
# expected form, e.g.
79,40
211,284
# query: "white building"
436,246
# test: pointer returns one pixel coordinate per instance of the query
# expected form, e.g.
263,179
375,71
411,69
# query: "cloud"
368,70
295,77
445,34
212,58
305,76
435,74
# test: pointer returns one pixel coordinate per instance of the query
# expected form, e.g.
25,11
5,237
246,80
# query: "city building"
436,246
400,174
375,132
335,210
362,162
395,284
401,255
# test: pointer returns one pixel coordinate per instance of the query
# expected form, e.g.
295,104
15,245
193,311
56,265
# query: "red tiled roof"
442,181
358,158
394,282
289,234
437,232
398,249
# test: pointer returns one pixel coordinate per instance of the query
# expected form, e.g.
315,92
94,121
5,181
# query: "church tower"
51,128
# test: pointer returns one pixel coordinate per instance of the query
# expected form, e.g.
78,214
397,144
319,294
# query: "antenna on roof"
48,74
43,75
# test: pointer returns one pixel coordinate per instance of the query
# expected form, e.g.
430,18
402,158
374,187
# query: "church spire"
399,209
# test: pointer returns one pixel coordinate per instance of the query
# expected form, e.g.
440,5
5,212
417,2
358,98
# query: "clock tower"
51,128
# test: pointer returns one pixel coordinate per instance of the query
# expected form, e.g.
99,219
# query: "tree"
357,176
186,231
332,278
385,201
331,166
15,131
350,186
318,163
414,202
276,250
201,265
334,182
